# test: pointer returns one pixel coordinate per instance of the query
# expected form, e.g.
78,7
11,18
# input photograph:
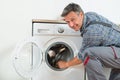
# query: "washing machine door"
25,64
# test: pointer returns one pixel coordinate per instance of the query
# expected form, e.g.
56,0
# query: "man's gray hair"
71,7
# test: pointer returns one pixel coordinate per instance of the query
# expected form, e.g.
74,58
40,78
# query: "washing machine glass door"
25,64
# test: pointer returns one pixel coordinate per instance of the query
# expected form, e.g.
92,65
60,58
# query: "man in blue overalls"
100,46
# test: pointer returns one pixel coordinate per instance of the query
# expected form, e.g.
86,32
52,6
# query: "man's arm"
74,61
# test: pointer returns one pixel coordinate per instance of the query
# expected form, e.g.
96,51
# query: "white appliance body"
55,36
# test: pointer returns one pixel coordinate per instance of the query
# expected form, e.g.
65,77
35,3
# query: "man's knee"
89,51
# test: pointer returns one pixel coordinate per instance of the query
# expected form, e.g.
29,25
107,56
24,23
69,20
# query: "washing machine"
36,58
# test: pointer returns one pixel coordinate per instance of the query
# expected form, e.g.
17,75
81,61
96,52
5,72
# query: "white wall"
16,22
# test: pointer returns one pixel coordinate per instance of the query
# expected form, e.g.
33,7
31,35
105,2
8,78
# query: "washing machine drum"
56,52
55,58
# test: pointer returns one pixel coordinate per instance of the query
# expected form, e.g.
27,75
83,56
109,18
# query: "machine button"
60,30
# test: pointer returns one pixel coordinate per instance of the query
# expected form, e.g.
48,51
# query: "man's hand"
62,64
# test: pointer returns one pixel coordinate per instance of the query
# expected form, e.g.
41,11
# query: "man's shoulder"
93,16
91,13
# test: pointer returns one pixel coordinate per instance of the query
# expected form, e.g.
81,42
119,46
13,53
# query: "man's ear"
81,14
63,19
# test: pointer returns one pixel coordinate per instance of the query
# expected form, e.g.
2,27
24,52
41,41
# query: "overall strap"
96,22
104,24
101,23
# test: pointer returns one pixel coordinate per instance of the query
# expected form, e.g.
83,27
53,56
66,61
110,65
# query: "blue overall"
100,47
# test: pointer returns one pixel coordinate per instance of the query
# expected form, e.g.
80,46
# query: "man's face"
74,20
